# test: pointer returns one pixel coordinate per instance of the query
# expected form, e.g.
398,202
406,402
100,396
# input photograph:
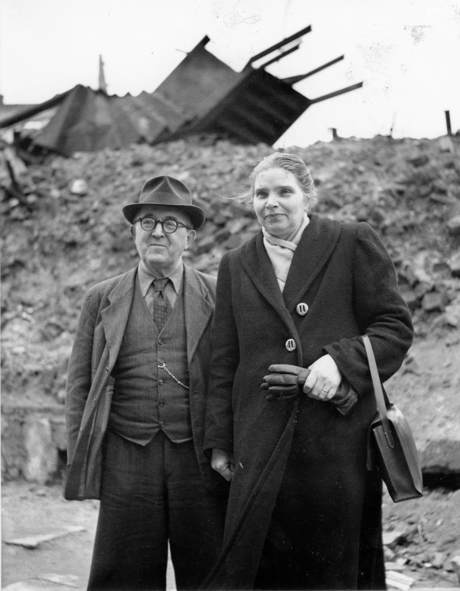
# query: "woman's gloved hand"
320,380
284,381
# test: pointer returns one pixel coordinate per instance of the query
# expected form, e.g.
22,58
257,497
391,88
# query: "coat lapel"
315,247
115,315
197,307
258,266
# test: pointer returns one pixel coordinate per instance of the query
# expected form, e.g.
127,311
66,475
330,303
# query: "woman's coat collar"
313,251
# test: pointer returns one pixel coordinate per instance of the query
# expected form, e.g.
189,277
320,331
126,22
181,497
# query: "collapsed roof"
201,95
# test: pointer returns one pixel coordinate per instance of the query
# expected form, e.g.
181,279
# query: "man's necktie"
161,307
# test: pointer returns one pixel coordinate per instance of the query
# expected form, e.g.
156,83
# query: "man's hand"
222,462
323,380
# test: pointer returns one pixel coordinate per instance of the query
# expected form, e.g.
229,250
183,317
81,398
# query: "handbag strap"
378,390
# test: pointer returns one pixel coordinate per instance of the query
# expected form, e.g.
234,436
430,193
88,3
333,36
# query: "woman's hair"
293,164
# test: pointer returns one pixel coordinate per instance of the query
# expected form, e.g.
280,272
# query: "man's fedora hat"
166,191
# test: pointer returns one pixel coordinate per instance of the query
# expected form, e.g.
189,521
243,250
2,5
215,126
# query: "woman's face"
279,202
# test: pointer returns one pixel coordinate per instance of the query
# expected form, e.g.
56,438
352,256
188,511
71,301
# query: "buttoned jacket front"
341,284
90,385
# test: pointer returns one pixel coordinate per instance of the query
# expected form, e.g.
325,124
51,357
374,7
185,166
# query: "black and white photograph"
230,295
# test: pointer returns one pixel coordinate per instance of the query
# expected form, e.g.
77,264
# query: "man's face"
159,251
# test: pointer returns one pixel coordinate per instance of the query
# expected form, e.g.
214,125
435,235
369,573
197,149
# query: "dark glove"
284,381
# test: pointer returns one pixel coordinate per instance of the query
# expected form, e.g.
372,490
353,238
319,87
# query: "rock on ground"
423,536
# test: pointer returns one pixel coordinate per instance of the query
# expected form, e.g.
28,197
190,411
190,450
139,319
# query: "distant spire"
102,84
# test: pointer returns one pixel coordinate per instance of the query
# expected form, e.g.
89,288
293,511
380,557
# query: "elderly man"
135,405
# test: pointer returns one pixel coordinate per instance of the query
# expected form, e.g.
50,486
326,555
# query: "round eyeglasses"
168,225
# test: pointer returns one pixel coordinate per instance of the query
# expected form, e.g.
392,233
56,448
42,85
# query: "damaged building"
202,95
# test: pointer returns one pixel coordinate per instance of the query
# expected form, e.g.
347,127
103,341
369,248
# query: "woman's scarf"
280,252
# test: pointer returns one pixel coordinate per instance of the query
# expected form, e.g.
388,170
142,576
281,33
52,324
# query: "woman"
290,398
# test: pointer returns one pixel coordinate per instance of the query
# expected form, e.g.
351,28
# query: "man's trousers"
150,495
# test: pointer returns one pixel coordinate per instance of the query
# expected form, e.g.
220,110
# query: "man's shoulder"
106,285
206,280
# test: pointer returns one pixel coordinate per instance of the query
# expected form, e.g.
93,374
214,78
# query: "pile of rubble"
66,231
421,541
63,230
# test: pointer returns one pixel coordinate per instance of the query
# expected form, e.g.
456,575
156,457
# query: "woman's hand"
222,463
324,379
321,380
284,381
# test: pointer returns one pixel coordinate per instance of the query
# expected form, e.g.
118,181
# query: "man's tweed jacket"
90,385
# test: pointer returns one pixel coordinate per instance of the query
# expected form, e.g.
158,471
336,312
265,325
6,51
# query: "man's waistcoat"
147,399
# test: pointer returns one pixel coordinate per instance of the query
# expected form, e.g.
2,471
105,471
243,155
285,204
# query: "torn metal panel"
196,85
87,121
201,95
149,123
252,106
295,79
279,45
20,114
259,108
335,93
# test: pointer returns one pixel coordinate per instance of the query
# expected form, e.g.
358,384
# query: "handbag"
392,444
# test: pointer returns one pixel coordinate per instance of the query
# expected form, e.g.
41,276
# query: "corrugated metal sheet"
88,120
259,108
196,85
202,94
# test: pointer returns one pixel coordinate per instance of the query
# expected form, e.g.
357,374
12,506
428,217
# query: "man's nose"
158,230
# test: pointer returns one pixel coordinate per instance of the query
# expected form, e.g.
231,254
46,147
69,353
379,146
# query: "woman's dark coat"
344,274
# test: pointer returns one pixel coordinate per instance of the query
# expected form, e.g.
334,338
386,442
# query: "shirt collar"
146,277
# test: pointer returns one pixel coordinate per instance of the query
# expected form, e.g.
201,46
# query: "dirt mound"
69,232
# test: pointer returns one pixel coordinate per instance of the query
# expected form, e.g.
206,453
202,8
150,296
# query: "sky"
405,51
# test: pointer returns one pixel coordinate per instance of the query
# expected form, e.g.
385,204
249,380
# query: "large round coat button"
301,308
290,345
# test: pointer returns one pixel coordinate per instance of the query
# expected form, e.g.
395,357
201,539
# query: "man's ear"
191,235
132,230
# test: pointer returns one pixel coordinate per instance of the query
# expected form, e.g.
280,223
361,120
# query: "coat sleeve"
79,370
224,361
381,312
